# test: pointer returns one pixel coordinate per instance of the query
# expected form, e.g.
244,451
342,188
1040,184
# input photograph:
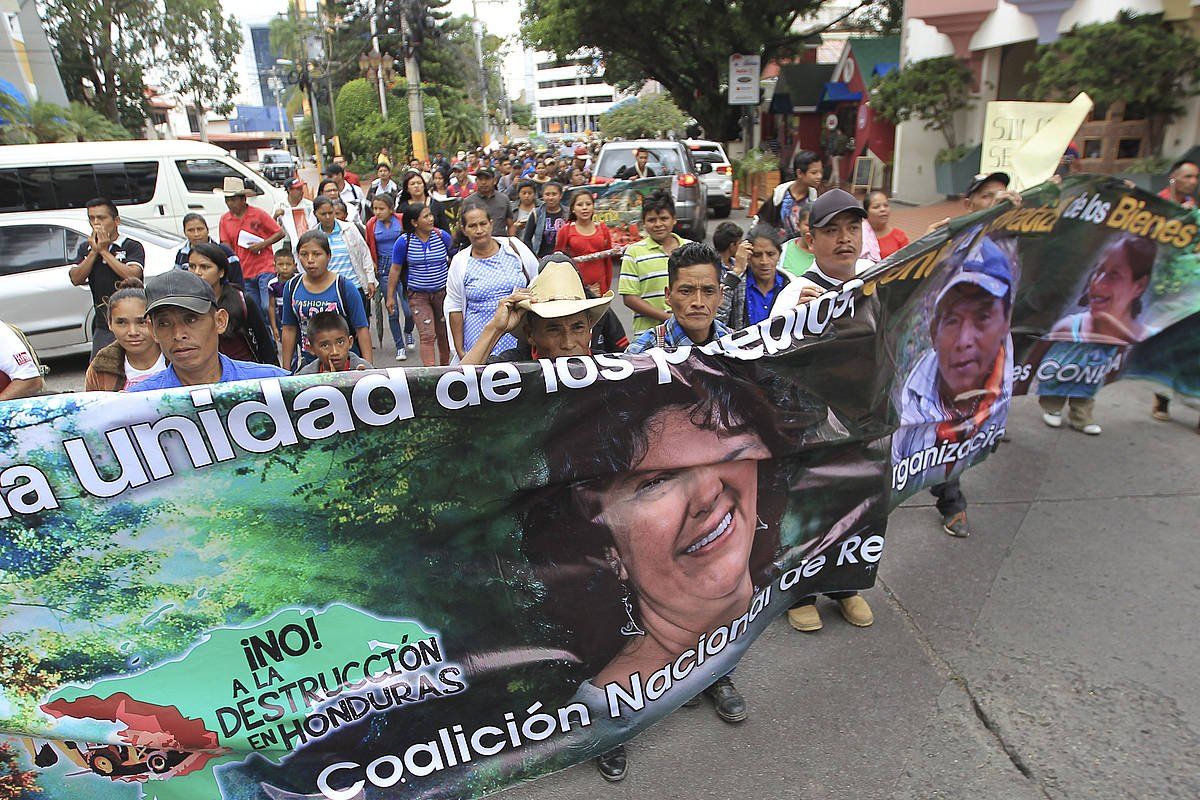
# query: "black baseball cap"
832,203
979,180
178,287
485,172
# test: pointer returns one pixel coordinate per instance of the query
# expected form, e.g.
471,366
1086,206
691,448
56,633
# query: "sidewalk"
1050,655
915,220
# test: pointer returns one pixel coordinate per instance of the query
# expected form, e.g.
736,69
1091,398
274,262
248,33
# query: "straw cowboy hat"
233,187
559,292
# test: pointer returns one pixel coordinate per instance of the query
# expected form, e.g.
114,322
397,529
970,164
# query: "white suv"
720,180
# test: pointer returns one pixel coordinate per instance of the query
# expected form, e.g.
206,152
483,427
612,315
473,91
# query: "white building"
570,94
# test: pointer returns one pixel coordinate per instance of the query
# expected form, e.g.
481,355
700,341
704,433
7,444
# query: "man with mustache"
835,237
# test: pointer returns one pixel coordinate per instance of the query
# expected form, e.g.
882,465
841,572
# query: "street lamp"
378,69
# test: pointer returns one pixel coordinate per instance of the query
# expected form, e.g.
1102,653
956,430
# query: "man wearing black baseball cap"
498,205
835,236
187,324
835,231
984,191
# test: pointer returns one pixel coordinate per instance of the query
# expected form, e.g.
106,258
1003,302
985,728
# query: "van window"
664,161
204,175
72,185
27,248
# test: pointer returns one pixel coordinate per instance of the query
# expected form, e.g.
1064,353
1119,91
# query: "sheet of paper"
246,238
1036,160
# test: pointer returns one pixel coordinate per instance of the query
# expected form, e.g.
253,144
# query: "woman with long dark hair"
135,354
420,265
246,337
660,521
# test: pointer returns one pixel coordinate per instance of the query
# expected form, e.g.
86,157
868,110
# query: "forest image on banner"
439,582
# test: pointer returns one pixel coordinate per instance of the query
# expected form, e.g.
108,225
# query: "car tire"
722,211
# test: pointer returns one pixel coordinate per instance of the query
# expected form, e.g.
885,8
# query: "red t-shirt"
1188,202
575,244
259,223
892,242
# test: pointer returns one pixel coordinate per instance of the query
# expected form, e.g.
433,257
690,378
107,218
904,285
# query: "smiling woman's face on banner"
683,535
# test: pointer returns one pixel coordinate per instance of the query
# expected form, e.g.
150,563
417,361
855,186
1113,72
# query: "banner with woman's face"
437,582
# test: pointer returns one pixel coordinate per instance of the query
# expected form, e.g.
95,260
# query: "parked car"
37,250
666,158
277,166
155,182
720,180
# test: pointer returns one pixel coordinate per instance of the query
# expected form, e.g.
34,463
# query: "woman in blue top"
481,275
351,257
383,229
420,262
315,290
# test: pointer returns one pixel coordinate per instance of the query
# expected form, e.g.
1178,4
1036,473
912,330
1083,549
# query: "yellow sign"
1009,124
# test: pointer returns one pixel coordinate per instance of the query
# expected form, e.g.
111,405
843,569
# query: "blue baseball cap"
985,266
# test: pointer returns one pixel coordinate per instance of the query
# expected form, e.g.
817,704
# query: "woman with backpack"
420,264
383,229
318,289
482,274
246,337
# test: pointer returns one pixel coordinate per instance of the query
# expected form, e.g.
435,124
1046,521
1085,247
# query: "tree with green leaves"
207,76
523,116
933,90
40,122
105,47
684,46
648,117
1139,58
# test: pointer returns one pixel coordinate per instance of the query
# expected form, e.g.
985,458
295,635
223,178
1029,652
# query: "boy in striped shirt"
643,281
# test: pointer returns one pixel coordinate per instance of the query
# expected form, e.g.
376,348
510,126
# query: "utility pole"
477,29
379,72
412,79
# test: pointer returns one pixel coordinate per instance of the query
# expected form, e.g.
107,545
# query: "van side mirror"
703,168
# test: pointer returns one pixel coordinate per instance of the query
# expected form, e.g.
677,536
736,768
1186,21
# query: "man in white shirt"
353,196
19,373
296,216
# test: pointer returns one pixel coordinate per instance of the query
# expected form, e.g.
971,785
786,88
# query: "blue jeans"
398,336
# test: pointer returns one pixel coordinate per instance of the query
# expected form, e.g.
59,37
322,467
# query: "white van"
155,182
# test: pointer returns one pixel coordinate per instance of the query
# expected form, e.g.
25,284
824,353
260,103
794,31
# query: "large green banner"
438,582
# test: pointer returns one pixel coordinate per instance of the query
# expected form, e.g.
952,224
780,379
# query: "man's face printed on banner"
969,328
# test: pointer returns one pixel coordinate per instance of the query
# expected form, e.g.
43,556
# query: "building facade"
997,39
570,94
27,68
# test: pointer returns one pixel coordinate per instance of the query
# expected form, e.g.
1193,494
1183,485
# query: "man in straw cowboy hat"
251,232
553,318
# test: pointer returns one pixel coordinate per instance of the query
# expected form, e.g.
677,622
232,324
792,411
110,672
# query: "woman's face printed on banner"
1112,289
683,535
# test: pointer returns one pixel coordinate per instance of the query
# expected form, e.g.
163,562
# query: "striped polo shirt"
644,274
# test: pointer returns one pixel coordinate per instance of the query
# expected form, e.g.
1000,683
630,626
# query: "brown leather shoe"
856,610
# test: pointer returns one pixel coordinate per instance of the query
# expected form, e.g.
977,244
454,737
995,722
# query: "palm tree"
461,126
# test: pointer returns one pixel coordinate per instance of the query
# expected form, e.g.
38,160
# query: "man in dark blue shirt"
187,324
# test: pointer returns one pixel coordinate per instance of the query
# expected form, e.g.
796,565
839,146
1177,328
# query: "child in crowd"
797,258
285,269
329,343
726,239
